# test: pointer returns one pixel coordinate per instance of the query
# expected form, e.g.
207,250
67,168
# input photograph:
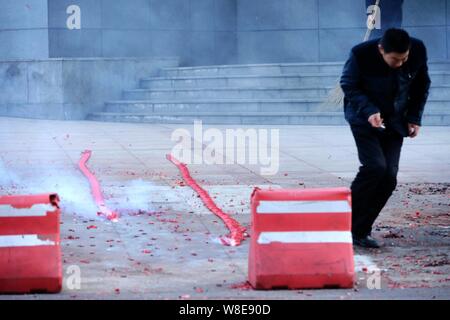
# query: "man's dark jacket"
371,86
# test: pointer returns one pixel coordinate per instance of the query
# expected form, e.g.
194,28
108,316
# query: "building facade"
206,32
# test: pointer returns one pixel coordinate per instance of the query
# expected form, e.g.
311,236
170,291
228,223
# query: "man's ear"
380,48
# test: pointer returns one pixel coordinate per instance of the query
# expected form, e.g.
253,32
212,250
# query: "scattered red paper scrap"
242,286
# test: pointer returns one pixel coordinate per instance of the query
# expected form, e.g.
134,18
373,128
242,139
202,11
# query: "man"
385,82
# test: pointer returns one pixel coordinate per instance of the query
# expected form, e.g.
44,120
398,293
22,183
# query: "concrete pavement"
166,246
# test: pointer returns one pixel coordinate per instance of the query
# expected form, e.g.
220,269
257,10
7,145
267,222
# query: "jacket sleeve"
350,84
418,93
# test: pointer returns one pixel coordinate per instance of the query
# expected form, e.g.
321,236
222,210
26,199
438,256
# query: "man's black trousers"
379,154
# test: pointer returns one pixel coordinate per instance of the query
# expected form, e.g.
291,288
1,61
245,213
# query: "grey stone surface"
199,32
24,44
51,111
13,82
434,39
72,43
170,14
448,11
268,46
126,14
250,118
90,82
203,48
301,14
3,110
202,15
448,41
225,15
23,14
335,44
170,42
291,93
336,22
128,43
256,17
276,15
283,91
23,29
69,88
342,14
45,80
419,13
243,31
226,47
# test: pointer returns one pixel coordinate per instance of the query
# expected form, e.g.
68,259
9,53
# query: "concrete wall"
324,30
429,21
23,29
69,88
203,32
198,31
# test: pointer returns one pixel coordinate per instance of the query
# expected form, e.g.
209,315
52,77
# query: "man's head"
394,47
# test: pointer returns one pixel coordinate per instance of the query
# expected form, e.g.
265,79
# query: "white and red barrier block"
30,252
301,238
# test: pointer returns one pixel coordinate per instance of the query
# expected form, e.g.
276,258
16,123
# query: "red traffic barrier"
301,239
30,252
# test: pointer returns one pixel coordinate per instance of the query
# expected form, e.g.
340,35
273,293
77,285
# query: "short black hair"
395,40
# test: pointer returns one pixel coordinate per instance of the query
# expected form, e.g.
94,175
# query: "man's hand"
375,120
413,130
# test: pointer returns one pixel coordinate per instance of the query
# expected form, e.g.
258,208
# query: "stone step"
439,92
244,105
248,118
270,81
273,69
226,93
254,69
436,92
227,118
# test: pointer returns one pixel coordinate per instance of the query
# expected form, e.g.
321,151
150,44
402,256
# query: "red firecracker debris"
237,232
95,188
242,286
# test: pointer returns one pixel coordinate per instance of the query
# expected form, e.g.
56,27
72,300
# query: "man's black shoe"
366,242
